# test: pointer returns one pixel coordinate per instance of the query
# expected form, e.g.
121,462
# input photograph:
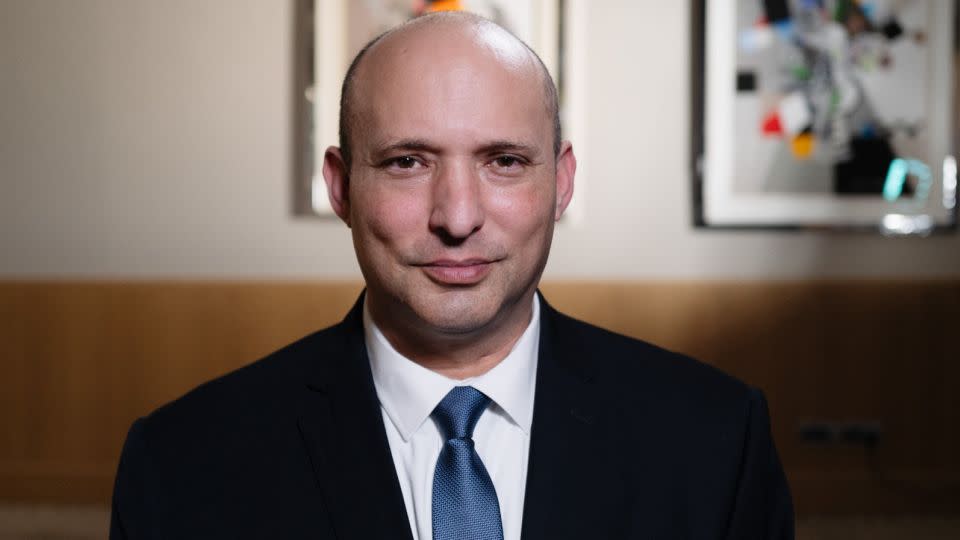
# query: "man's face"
453,189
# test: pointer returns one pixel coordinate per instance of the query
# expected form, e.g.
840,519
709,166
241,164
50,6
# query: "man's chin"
456,320
465,312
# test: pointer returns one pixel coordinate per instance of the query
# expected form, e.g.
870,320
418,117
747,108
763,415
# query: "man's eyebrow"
421,145
494,147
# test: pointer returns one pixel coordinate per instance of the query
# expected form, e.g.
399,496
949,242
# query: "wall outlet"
851,433
818,433
865,434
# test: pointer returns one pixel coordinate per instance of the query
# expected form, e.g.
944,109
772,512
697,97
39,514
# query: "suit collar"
570,438
342,429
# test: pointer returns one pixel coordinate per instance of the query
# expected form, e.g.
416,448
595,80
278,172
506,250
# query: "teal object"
897,177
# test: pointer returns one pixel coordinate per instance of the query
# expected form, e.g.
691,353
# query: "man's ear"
337,177
566,170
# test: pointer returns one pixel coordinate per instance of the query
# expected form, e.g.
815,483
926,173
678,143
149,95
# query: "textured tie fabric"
465,503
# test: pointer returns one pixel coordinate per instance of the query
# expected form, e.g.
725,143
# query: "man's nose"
457,203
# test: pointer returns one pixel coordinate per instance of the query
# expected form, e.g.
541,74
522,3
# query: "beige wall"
142,138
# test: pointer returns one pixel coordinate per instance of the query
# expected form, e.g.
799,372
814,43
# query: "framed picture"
826,114
331,32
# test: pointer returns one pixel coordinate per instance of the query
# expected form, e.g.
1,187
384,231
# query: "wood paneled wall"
81,360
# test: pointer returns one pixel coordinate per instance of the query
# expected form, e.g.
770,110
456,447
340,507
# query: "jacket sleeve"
129,512
763,507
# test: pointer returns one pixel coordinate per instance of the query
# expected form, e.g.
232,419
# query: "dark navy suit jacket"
628,441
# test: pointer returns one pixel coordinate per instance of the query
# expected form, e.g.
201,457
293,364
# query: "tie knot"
457,413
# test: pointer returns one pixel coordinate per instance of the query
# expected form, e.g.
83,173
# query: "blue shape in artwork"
784,29
897,176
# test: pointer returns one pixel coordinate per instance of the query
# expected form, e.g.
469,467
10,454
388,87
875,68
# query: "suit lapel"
572,486
570,492
342,429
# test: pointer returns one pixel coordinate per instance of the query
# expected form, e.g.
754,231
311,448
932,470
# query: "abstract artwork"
828,113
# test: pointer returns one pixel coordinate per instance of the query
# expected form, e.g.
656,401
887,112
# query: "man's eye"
507,162
404,162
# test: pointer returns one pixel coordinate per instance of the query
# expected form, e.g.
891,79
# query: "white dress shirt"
408,393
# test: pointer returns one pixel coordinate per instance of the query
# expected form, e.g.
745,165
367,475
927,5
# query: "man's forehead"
450,73
444,45
454,33
455,108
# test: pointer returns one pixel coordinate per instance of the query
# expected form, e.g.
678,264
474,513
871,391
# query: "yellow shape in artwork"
802,146
445,5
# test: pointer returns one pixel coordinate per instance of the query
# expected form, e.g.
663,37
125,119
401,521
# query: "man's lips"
457,272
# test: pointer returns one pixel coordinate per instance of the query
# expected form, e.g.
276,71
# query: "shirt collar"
408,392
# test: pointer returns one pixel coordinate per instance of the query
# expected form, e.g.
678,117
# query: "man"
453,402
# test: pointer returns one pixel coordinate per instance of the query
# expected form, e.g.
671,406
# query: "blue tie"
465,504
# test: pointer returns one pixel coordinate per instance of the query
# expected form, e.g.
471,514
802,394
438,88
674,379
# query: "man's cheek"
397,219
521,208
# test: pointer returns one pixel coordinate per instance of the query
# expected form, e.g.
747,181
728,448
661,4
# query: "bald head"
446,36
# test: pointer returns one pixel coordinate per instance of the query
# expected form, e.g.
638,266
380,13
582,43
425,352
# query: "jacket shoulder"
229,444
641,370
628,355
253,392
692,418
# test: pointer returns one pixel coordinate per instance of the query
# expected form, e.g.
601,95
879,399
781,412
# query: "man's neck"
460,355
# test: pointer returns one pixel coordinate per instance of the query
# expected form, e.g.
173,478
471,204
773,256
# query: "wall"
82,360
155,139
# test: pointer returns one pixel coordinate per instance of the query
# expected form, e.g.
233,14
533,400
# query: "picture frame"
799,124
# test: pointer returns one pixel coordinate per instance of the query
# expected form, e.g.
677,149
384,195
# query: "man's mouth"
457,271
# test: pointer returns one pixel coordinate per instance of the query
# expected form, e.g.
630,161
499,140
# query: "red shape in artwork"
771,125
